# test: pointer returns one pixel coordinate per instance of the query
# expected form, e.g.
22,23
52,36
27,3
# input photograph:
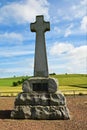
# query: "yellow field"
11,89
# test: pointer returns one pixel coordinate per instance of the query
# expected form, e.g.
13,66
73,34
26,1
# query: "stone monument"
40,98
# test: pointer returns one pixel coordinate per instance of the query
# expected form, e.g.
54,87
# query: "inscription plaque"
40,87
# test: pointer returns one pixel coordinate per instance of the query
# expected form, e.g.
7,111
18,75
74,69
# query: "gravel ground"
78,111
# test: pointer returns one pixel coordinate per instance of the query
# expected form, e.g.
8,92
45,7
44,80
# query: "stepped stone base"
40,106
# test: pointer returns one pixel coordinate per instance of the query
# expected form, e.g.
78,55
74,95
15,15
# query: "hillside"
66,82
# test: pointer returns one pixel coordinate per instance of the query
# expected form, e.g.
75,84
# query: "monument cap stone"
40,84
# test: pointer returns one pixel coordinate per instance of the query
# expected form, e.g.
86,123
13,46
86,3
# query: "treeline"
52,74
19,82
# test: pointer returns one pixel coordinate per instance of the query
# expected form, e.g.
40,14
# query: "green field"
72,81
8,81
67,82
6,85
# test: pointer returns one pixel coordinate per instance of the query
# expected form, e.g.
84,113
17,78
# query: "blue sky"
66,42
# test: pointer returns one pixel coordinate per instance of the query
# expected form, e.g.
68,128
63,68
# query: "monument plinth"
40,98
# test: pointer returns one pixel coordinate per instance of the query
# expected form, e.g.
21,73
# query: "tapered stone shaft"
40,61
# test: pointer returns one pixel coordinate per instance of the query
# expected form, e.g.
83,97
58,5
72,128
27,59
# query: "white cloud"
68,58
78,59
23,12
72,10
16,37
68,31
11,53
84,24
61,48
16,51
79,9
78,52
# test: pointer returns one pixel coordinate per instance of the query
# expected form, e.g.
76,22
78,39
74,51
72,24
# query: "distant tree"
15,83
23,79
53,74
19,82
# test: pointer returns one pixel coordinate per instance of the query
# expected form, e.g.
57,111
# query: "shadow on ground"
80,85
5,114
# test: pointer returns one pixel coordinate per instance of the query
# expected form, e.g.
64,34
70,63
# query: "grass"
71,79
4,82
67,82
6,87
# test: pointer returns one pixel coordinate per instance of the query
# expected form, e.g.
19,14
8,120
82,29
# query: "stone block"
39,84
40,106
57,99
40,112
21,112
44,99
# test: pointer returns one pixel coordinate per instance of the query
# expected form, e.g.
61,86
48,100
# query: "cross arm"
47,26
32,27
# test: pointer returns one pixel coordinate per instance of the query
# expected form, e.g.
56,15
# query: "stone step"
40,112
43,99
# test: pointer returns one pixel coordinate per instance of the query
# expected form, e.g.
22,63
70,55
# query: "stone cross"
40,62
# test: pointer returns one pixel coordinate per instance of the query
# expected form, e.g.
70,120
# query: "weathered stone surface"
26,86
40,106
42,84
40,112
47,112
44,99
21,112
57,99
52,85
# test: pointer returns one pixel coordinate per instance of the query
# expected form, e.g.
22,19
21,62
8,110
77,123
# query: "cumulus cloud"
78,59
78,52
61,48
69,58
23,12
